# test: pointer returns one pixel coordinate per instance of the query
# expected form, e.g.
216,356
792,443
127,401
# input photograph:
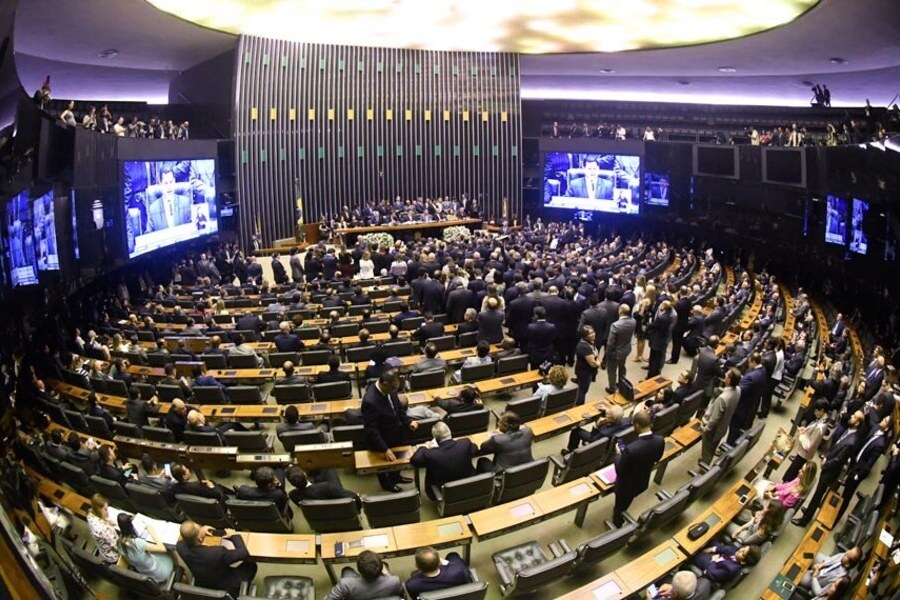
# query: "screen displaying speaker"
835,220
594,182
20,241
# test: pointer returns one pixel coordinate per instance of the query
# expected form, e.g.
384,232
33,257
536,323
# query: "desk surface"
355,542
281,547
449,531
507,516
717,516
651,566
797,564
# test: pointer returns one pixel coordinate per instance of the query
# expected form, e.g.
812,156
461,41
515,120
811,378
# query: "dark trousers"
247,572
567,350
655,363
615,370
677,342
484,465
794,469
766,400
584,384
622,503
389,480
577,437
827,480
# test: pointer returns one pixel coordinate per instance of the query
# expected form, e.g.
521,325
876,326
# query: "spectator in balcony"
649,136
119,128
42,96
67,117
184,131
89,121
105,121
621,133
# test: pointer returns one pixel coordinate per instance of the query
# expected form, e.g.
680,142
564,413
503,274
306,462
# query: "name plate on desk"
522,510
318,407
579,490
449,529
297,546
665,557
336,455
262,458
508,380
375,541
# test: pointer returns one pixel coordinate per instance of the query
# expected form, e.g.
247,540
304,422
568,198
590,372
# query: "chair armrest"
556,549
436,490
557,461
473,574
564,545
270,441
506,576
663,495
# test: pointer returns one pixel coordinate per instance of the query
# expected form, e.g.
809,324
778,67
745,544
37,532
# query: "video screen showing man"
859,243
595,182
45,232
656,188
20,233
168,202
835,220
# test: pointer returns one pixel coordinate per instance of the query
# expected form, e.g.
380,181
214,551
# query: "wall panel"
341,125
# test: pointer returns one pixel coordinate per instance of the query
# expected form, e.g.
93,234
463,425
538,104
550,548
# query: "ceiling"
523,26
65,39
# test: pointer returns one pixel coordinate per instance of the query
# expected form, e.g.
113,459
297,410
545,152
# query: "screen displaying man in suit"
591,186
634,463
168,208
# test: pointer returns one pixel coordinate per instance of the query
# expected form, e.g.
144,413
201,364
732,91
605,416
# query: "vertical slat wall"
341,125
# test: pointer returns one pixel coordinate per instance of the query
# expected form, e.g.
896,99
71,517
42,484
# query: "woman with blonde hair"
761,527
790,493
642,312
103,529
555,381
366,266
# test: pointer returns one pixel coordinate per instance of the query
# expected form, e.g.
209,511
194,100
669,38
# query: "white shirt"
778,372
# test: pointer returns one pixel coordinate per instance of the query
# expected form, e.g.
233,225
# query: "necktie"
590,189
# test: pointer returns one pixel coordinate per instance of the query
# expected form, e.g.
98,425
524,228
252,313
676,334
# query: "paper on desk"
886,538
375,541
608,474
610,589
168,533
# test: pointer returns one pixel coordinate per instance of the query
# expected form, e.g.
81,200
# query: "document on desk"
297,546
375,541
608,474
610,589
167,532
522,510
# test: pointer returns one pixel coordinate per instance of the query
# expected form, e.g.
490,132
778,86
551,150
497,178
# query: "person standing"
872,449
714,423
808,439
752,385
384,419
680,328
618,347
586,362
541,338
659,331
773,361
634,463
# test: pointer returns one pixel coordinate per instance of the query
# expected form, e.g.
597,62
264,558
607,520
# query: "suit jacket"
603,189
332,377
541,336
251,323
722,570
296,267
210,564
156,217
429,330
707,368
518,317
458,301
279,273
635,462
139,410
659,331
713,322
449,461
509,449
288,342
252,492
433,297
718,414
838,455
383,419
874,379
454,573
490,326
357,588
618,344
868,454
682,315
752,385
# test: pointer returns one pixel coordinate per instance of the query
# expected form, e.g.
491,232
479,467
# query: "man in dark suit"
865,459
429,329
81,456
434,574
707,368
720,563
490,323
874,378
254,270
634,463
201,487
541,338
448,461
279,273
225,566
384,419
251,322
752,386
138,410
618,347
518,315
591,186
433,296
610,310
457,302
286,341
680,328
333,374
176,419
714,319
329,265
511,446
324,485
268,487
289,377
836,458
659,330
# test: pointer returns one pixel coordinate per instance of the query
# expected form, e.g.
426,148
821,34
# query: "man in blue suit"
167,208
449,461
752,386
541,336
591,186
721,563
634,463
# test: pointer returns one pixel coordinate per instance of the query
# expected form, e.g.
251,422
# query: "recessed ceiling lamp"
109,53
727,70
837,60
684,82
607,71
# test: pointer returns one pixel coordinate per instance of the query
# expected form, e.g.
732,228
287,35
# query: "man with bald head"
446,460
225,566
176,418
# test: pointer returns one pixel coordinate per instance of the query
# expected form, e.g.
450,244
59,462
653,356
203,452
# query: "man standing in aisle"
618,347
634,463
383,420
659,332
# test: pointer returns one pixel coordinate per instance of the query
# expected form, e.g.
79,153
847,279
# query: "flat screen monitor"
859,243
835,220
784,166
656,189
594,182
168,201
20,240
718,161
45,233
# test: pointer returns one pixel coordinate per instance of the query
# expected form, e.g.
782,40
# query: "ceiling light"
110,53
727,70
684,82
837,60
607,71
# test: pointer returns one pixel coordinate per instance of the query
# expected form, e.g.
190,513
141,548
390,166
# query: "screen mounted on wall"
717,161
167,202
45,233
859,242
20,241
835,220
595,182
656,189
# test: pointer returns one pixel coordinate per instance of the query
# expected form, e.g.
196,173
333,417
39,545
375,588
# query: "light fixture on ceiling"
837,60
109,53
683,82
727,70
607,71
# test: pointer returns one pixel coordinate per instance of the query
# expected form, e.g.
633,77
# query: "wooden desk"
241,412
782,587
828,511
369,461
353,543
293,548
407,226
651,566
439,533
563,498
689,434
717,516
643,390
500,519
608,587
130,447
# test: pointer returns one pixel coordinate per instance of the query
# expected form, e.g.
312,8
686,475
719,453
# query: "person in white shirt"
808,440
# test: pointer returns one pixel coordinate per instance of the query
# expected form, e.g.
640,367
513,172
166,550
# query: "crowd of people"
399,211
548,292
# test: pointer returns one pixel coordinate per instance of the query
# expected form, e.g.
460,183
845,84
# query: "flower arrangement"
457,233
378,239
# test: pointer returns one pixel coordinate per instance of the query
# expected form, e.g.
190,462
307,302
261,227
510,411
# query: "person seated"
154,475
289,377
359,298
203,379
836,590
670,396
466,401
55,446
446,460
482,357
84,456
171,378
556,380
377,364
224,566
197,422
203,488
323,485
373,580
431,362
429,329
146,556
334,373
826,569
434,574
363,340
611,421
790,493
684,585
760,528
511,445
286,341
469,322
244,349
292,422
268,487
215,346
421,411
720,563
103,529
324,342
95,410
108,469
